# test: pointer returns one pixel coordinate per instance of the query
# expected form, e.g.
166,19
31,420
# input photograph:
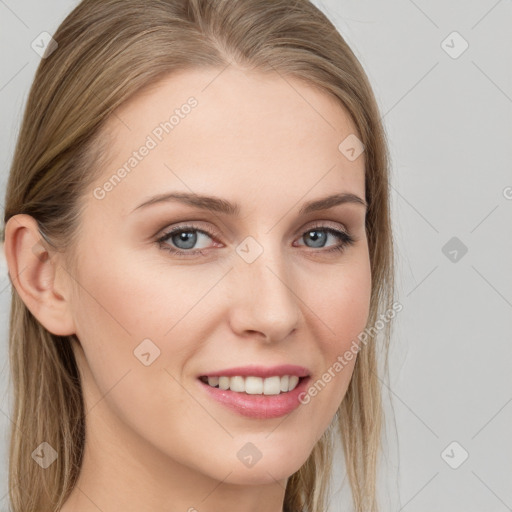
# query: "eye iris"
317,238
189,237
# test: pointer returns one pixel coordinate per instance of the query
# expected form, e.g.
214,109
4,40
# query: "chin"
254,467
263,474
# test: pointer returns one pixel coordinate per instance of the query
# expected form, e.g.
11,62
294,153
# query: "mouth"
252,385
254,398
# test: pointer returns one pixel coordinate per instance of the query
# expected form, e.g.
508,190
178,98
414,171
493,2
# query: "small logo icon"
249,455
44,455
146,352
249,249
454,45
454,249
351,147
44,45
454,455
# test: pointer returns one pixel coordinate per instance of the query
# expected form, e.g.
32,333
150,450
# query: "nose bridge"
264,300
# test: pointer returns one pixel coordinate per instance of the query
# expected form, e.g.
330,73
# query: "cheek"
137,311
136,297
128,310
343,303
342,308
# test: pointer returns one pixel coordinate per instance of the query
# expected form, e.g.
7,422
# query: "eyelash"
346,239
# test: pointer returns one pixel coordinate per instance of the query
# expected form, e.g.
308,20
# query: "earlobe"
32,268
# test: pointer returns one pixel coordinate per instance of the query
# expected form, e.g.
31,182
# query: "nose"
263,299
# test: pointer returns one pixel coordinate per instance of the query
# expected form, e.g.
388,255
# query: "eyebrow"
219,205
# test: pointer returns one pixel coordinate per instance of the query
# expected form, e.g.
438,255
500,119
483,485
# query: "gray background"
449,123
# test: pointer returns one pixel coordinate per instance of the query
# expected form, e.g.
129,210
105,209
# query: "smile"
256,405
254,385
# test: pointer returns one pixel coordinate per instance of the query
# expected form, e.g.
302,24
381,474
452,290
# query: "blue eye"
345,239
185,237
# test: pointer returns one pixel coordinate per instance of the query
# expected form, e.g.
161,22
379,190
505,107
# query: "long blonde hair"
107,51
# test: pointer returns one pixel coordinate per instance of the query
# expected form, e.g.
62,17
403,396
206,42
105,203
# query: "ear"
32,269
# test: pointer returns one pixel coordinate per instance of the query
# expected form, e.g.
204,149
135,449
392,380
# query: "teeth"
224,382
237,384
213,381
256,385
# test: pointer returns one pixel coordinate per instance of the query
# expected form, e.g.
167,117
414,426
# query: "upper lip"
261,371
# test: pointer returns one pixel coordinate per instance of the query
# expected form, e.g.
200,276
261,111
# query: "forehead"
207,130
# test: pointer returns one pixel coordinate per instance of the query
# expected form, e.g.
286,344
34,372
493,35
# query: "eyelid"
326,225
188,226
215,233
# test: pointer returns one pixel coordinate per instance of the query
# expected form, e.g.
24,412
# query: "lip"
261,371
258,406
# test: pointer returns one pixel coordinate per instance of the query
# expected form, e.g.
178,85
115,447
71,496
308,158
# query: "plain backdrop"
442,75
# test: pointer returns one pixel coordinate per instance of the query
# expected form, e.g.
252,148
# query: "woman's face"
263,285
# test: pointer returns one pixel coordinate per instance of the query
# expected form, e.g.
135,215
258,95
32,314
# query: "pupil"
188,237
314,235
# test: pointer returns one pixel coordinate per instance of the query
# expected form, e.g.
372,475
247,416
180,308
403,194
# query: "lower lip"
258,406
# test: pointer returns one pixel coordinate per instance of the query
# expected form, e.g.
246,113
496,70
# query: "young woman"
198,236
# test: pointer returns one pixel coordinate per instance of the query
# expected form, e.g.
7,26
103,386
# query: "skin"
155,440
